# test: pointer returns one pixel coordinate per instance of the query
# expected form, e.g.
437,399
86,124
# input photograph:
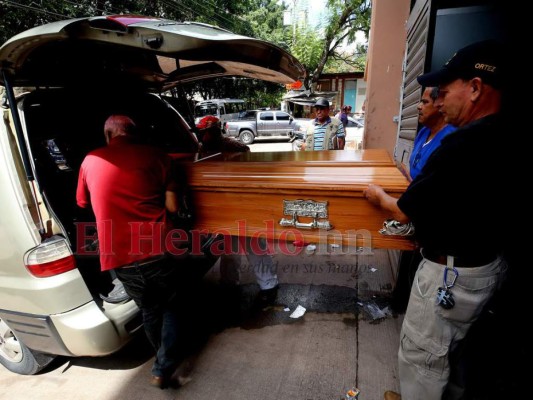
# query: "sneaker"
390,395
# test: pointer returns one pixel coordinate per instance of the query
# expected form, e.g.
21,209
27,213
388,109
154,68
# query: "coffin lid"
154,52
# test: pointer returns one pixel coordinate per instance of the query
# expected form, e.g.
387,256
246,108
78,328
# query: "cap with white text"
482,59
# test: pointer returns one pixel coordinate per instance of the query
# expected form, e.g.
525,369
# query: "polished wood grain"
244,195
370,157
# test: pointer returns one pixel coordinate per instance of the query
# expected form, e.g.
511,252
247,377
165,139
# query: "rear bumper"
84,331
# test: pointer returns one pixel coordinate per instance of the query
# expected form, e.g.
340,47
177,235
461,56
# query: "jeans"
264,270
154,288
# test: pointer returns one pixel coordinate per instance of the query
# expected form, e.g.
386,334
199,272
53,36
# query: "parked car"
260,124
53,298
223,109
354,133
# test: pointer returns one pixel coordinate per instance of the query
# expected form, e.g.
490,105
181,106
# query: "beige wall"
384,72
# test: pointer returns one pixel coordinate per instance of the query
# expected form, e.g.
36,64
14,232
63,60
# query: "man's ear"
476,86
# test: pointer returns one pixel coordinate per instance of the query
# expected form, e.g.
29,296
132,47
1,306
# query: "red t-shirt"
125,183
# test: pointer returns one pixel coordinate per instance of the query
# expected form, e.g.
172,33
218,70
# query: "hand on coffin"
377,196
373,194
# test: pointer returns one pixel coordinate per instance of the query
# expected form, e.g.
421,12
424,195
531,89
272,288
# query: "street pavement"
239,352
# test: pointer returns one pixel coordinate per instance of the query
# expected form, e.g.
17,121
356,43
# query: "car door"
266,124
284,123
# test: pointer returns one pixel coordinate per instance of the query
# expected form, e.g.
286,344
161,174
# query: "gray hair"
119,125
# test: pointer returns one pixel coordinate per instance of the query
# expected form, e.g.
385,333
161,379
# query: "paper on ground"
298,312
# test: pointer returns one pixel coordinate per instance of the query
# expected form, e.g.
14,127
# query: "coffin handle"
315,224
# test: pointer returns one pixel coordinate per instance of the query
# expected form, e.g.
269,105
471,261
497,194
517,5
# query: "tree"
347,61
346,18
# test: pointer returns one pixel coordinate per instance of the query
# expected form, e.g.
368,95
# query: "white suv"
53,298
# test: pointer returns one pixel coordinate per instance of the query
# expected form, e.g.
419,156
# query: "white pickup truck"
256,123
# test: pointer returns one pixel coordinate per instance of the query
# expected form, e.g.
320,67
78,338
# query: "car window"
203,110
281,116
232,108
267,116
247,114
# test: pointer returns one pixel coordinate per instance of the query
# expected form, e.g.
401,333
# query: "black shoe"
267,297
161,382
158,382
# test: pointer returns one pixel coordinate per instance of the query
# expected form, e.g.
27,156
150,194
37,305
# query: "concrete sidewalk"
245,353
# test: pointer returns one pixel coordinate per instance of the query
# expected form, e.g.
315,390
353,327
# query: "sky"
316,9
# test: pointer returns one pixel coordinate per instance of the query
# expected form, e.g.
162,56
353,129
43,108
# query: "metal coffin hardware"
306,208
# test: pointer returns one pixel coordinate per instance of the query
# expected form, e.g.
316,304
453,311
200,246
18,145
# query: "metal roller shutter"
415,55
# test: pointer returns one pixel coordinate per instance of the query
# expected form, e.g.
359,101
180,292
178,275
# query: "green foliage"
255,92
347,61
307,48
345,19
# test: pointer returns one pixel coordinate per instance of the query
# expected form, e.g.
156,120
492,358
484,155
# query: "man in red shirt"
212,140
130,189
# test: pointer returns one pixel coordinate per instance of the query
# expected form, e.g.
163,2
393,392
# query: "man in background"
213,141
324,132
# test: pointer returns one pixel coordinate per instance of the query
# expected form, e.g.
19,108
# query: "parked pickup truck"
261,123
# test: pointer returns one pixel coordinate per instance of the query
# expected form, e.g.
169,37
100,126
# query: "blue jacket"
421,152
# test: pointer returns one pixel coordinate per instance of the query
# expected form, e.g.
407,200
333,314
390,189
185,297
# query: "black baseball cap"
321,102
482,59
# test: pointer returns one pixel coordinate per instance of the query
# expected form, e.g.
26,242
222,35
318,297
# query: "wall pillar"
384,72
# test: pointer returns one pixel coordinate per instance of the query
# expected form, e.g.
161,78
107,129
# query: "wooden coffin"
316,197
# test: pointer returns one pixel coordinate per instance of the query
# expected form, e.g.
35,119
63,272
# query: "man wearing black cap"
324,132
460,220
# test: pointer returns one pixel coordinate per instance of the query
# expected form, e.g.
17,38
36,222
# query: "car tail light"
50,258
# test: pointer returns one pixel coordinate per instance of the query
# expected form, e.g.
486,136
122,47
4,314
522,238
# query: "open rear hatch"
85,69
154,52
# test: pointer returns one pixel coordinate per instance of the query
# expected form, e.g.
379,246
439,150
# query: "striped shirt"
320,132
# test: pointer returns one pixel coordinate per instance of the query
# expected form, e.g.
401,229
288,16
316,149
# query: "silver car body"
58,313
262,124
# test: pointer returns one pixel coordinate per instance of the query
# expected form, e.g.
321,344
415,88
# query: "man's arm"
82,193
405,172
377,196
171,202
341,137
